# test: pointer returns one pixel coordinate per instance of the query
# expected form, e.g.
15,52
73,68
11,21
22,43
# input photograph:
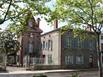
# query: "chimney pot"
38,22
55,24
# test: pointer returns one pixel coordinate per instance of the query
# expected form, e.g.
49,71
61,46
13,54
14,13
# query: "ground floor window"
50,59
68,59
79,59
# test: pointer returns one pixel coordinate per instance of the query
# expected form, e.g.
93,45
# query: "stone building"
66,51
101,42
30,42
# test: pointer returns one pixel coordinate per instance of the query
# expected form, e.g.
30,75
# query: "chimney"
55,24
38,22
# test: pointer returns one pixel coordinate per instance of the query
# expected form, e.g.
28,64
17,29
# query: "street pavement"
12,69
21,72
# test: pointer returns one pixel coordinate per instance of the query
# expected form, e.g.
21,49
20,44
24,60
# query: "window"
43,45
68,59
87,43
79,42
74,42
46,46
92,44
79,59
49,44
71,42
82,44
49,59
101,37
101,46
67,42
30,48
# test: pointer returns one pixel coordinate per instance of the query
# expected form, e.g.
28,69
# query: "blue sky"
43,24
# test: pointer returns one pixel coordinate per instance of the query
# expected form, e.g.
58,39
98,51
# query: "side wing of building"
51,48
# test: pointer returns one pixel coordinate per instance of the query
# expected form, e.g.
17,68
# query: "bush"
75,75
40,75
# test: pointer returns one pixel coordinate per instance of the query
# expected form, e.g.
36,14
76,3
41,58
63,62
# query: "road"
60,74
69,74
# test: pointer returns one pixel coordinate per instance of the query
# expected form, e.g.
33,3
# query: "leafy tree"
8,44
16,12
79,15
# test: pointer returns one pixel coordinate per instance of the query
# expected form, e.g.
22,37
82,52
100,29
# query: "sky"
43,24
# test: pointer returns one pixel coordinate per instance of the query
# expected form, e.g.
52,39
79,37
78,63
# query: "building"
66,51
101,42
30,42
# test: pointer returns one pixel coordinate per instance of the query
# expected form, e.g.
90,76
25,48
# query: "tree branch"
100,27
90,25
80,16
84,11
6,13
92,11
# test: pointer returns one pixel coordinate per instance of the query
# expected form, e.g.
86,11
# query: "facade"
101,42
51,47
30,42
67,51
78,53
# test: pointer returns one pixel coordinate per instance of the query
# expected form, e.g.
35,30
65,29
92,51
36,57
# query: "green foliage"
8,43
17,12
75,75
21,25
78,32
41,75
81,16
80,13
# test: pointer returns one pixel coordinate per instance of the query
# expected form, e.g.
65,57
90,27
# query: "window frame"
69,59
81,59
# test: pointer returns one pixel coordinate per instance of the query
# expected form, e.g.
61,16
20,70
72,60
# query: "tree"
16,12
8,44
15,9
81,14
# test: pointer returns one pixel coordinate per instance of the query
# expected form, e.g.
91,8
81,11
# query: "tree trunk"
99,55
5,61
